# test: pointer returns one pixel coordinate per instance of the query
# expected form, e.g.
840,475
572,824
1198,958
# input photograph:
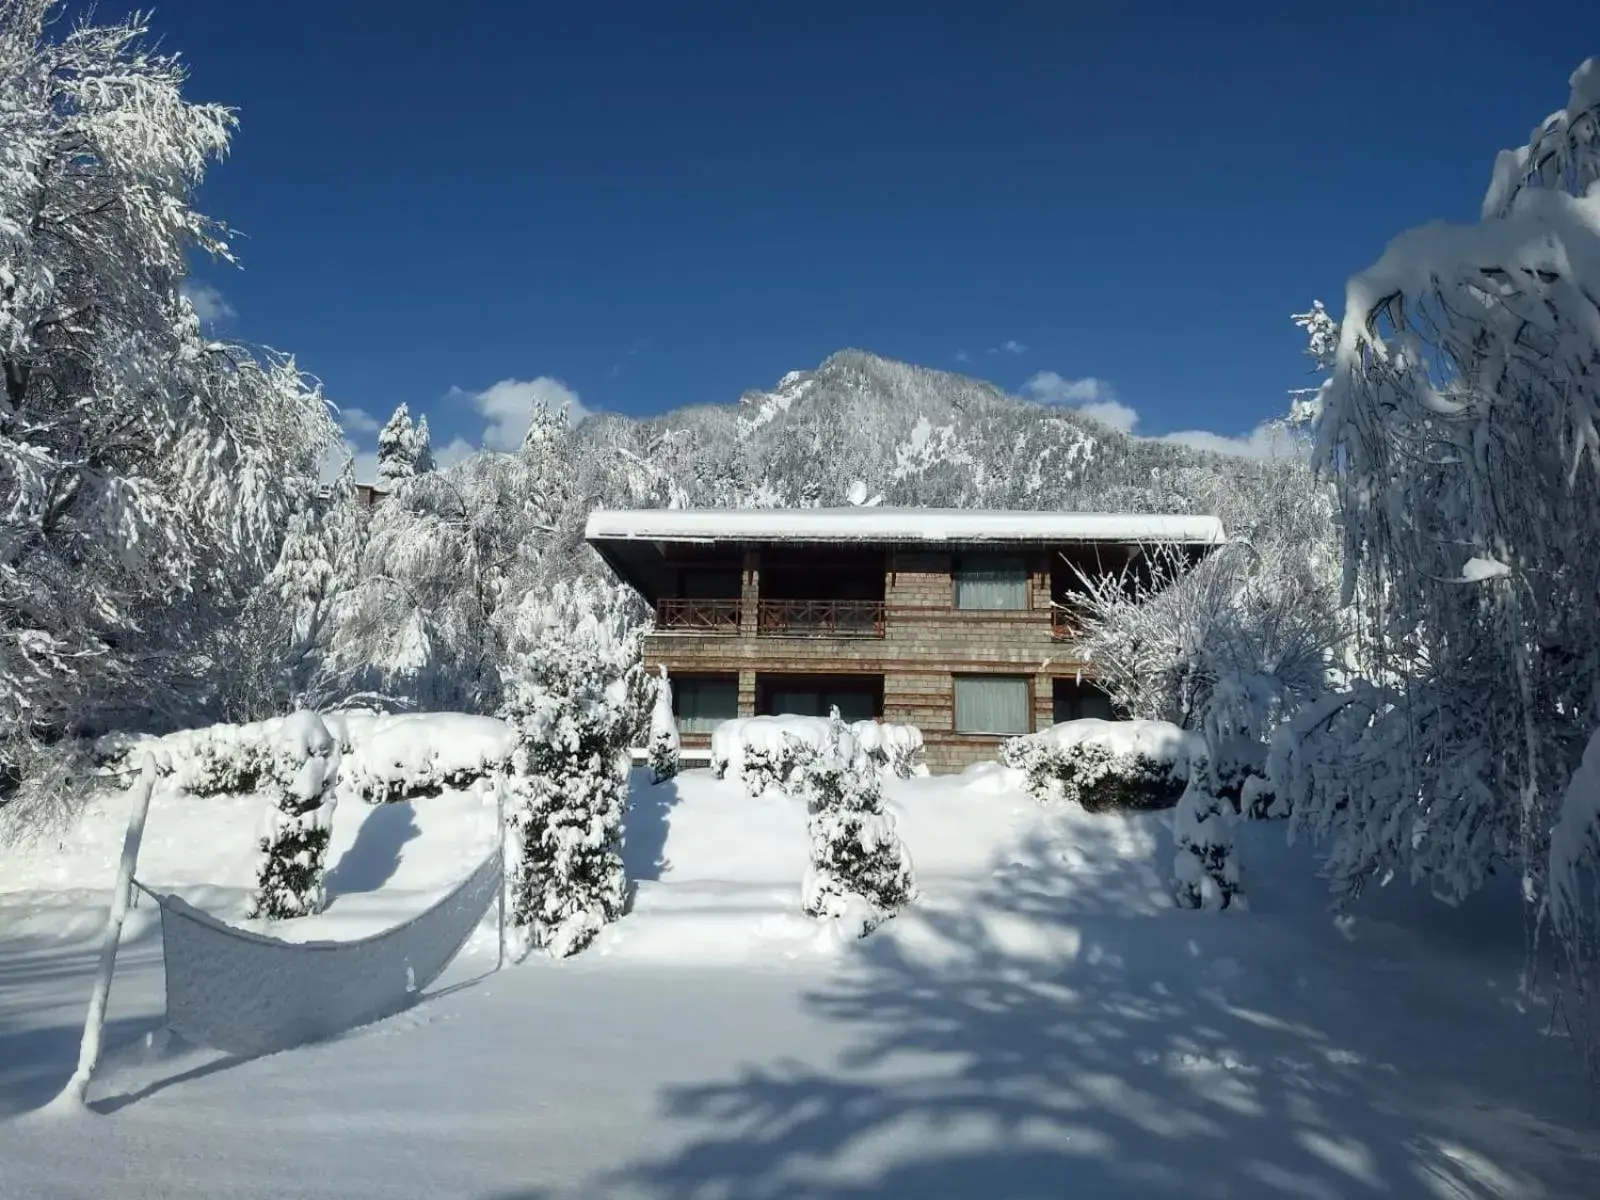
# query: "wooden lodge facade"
957,622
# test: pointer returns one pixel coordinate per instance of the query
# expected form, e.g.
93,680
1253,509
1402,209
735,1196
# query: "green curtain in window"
993,704
703,704
992,584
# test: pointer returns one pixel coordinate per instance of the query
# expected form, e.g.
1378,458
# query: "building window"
1074,701
992,583
858,697
701,703
993,704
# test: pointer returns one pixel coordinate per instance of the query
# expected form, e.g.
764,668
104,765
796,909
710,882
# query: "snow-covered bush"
664,742
301,767
860,871
895,750
1205,866
761,752
568,689
1460,425
1103,765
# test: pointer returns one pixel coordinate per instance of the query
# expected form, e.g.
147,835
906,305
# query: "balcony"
774,618
820,618
717,617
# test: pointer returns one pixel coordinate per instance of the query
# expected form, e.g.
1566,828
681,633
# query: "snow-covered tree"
1205,866
664,742
405,449
570,688
302,769
860,869
443,561
146,470
422,448
1228,648
1460,424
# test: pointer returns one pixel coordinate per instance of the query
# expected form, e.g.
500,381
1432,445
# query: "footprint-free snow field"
1040,1023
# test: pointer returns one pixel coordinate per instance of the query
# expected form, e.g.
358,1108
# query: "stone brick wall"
926,642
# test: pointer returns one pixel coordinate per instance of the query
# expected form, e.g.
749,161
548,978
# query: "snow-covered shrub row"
860,872
299,765
405,757
762,752
894,749
383,757
1103,765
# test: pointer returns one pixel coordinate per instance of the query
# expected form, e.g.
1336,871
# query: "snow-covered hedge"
762,752
383,757
1103,765
418,754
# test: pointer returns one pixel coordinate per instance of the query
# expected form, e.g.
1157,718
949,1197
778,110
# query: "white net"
247,993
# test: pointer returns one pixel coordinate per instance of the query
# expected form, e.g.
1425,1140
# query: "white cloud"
358,421
1049,388
508,407
210,305
1096,398
963,356
1009,346
457,449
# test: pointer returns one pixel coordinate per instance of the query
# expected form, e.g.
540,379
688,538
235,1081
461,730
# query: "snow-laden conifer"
860,870
301,770
404,450
569,694
1205,868
664,741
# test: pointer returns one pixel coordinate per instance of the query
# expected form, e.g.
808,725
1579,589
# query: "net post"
500,846
71,1096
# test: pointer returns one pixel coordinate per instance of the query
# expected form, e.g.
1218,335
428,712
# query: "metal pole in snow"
72,1095
500,833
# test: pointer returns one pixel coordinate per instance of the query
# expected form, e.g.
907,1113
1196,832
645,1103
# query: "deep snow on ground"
1040,1023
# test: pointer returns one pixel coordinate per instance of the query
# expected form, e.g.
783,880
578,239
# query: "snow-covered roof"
896,525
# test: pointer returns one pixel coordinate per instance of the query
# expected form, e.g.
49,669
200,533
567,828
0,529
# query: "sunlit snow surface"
1041,1023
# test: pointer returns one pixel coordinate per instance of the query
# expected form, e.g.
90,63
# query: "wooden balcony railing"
1066,624
820,618
698,616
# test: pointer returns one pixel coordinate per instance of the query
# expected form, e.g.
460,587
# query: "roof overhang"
635,543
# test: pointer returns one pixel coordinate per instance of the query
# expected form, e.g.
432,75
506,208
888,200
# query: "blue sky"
662,204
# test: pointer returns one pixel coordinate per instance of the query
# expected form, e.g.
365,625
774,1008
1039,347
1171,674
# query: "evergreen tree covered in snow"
1460,424
569,693
422,448
147,469
301,773
404,449
1205,867
664,742
860,869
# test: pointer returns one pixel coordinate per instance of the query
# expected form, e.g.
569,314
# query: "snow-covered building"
955,621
